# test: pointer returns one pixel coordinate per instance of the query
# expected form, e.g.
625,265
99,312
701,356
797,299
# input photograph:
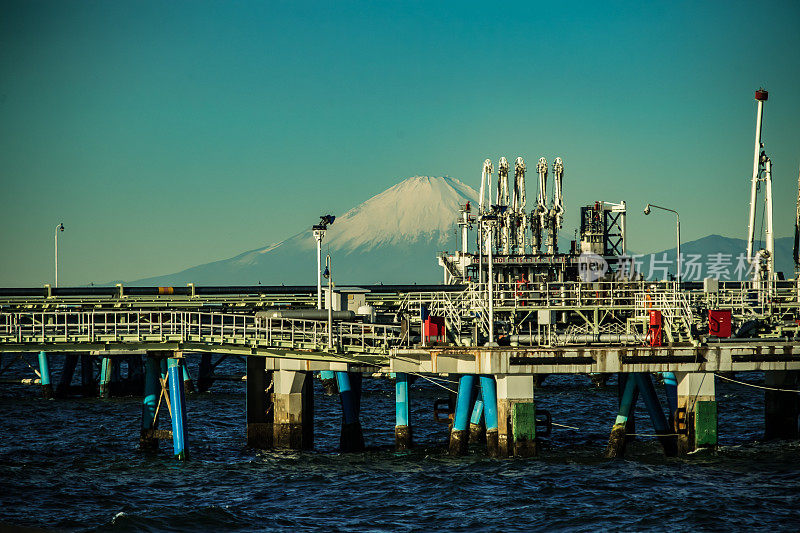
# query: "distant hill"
715,252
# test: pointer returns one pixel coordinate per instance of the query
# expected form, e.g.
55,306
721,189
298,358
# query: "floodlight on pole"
59,228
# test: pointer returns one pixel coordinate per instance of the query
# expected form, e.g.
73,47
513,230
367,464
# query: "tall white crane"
518,206
763,261
539,215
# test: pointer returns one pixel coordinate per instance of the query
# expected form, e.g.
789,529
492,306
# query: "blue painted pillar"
489,395
106,370
152,391
402,428
627,401
459,438
44,373
328,378
352,439
671,389
477,434
178,404
648,392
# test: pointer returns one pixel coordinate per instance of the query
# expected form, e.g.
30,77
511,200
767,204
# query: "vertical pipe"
679,248
55,284
178,404
44,372
152,391
319,267
770,235
491,291
459,438
402,428
330,302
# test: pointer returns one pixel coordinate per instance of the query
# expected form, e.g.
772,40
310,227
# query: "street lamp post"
319,234
678,219
59,228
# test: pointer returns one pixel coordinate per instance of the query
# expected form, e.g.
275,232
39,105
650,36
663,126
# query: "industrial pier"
512,310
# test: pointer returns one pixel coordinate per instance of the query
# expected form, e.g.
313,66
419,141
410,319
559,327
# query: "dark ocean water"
74,464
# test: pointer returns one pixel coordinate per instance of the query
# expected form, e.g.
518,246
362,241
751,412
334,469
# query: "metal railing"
132,327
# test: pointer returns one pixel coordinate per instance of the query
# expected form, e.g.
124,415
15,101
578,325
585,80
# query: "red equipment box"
719,323
434,328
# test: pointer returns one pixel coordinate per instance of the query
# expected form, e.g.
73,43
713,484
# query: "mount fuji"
391,238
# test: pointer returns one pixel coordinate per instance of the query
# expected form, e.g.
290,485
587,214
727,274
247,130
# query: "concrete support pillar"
293,405
489,397
402,428
44,373
459,435
67,373
178,405
106,372
260,430
514,410
696,414
781,408
627,402
328,378
352,438
148,440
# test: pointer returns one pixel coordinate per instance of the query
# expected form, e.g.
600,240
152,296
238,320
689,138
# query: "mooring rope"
564,426
432,381
754,385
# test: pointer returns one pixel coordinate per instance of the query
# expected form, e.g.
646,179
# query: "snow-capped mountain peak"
418,208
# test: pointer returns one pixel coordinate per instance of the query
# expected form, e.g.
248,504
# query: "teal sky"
169,134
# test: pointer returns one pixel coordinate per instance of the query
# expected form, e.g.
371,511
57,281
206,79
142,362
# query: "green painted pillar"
523,423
